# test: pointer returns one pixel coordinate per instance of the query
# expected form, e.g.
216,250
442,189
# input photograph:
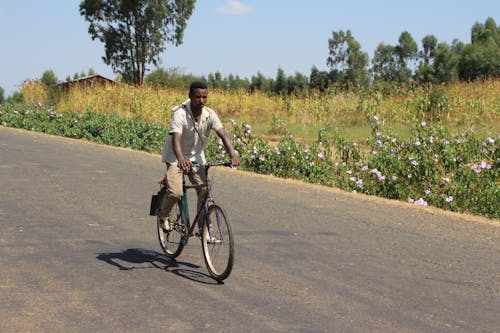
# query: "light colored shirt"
195,135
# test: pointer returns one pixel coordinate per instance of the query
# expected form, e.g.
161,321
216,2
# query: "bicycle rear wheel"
172,241
218,244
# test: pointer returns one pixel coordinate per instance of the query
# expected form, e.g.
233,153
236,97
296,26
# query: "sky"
242,37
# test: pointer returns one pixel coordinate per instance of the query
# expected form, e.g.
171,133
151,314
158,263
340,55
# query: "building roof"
85,81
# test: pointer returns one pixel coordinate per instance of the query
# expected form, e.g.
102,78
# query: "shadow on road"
141,259
123,259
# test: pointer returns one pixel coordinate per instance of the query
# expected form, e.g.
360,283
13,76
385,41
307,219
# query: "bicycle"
216,234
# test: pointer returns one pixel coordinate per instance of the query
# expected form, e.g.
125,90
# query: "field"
428,145
459,107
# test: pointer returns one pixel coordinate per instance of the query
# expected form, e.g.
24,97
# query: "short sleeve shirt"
195,135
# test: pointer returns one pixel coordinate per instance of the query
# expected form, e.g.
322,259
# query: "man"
188,136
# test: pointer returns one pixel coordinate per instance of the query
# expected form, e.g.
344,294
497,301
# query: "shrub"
430,167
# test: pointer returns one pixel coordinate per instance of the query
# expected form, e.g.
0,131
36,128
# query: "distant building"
85,82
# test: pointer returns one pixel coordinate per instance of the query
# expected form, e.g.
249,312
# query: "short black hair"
197,85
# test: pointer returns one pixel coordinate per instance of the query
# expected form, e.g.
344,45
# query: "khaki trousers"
174,186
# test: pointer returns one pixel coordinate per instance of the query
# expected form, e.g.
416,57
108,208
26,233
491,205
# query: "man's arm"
182,163
229,146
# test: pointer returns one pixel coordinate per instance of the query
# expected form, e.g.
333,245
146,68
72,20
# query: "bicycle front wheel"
172,240
217,243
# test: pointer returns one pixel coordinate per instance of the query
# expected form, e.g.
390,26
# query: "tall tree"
481,58
424,72
280,85
406,51
298,83
259,82
347,58
385,66
444,67
49,78
134,32
429,44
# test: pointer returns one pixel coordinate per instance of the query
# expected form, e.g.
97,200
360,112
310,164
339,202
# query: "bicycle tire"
218,243
172,241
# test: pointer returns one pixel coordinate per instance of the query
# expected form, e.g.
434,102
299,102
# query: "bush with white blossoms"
431,167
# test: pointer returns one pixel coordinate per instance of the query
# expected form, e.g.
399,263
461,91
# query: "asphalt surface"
79,253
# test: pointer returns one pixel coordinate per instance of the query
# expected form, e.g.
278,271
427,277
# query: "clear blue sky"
240,37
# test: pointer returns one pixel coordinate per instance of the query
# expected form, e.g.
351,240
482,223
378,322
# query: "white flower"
485,165
421,202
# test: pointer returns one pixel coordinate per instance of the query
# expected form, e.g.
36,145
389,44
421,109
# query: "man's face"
198,99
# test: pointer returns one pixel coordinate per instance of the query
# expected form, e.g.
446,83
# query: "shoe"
212,240
166,224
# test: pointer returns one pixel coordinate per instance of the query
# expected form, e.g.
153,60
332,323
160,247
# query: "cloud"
233,7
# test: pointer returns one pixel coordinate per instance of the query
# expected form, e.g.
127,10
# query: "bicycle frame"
184,206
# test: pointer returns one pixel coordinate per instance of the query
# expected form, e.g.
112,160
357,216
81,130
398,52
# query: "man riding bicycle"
189,132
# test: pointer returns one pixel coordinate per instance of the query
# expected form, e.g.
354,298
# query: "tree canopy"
134,32
347,59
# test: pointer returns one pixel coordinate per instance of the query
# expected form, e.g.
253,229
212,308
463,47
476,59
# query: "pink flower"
421,202
485,165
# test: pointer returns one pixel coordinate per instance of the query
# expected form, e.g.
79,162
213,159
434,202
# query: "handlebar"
225,163
207,166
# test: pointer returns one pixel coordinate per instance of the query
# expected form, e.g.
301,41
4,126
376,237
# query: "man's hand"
184,165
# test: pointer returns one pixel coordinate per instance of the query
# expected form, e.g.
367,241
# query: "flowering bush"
430,167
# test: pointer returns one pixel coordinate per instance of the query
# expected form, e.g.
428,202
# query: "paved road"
78,253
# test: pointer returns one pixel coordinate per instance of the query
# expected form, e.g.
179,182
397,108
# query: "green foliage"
347,58
481,58
432,105
92,126
384,63
445,64
16,97
430,167
134,32
2,97
480,61
49,78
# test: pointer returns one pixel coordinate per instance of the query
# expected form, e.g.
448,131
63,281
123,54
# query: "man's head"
198,94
